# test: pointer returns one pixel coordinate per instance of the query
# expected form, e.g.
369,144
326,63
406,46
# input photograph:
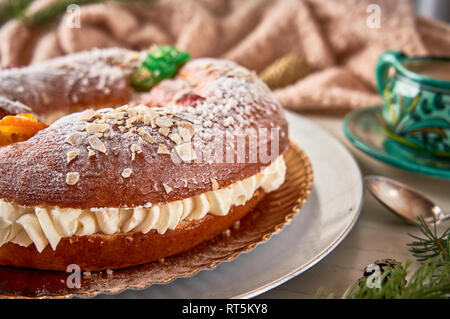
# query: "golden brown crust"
213,96
33,173
100,252
96,77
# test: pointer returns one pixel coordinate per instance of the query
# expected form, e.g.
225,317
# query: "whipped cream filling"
47,225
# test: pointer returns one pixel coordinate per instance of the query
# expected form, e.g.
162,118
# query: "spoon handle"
445,216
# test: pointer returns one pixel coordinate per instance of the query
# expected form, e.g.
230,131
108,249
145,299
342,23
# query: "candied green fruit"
162,62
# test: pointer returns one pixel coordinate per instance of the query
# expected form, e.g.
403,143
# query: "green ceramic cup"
416,107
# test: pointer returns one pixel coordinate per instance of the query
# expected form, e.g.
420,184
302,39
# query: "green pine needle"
431,245
430,281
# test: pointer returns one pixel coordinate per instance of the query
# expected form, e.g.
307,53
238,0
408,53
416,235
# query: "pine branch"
390,288
431,245
430,280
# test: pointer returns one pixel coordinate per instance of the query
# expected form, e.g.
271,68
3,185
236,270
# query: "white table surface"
377,235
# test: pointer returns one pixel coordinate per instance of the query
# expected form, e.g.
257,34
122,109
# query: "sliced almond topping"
163,121
150,112
120,115
91,152
164,131
167,188
74,139
175,137
162,149
87,115
130,121
186,131
149,115
96,128
135,149
96,144
214,184
72,178
111,121
121,109
80,127
147,119
129,134
71,155
186,152
127,172
145,135
132,113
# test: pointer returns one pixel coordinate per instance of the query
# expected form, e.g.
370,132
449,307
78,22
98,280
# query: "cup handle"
385,62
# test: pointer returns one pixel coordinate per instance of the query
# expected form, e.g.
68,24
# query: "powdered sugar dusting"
207,98
71,79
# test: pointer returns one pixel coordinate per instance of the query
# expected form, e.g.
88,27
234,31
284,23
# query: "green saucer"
365,129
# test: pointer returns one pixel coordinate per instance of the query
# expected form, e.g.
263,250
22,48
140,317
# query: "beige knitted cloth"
335,37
